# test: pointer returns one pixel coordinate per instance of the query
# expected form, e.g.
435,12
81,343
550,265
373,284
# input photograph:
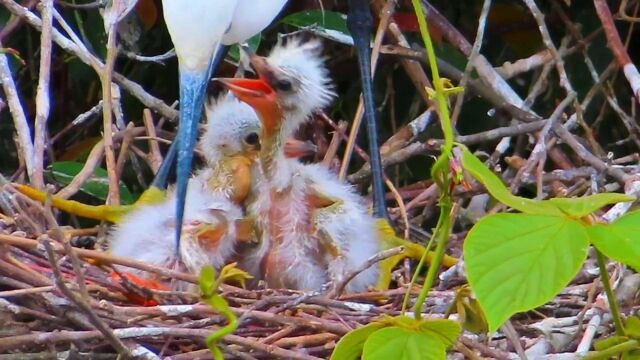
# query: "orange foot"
137,297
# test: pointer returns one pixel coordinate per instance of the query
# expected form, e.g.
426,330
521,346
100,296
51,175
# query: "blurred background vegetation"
511,34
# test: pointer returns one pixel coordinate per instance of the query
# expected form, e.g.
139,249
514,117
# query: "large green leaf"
619,240
574,207
446,331
63,172
400,344
350,346
517,262
497,189
583,206
328,24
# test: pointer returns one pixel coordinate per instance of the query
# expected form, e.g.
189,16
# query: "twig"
475,52
93,161
106,77
619,51
155,156
42,96
79,120
587,156
339,287
548,42
117,344
83,54
158,59
102,256
19,118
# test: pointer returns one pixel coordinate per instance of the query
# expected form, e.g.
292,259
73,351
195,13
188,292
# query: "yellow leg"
99,212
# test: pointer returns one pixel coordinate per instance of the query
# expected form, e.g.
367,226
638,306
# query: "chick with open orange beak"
314,228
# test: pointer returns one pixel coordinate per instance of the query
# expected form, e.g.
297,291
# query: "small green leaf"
516,262
328,24
254,43
350,346
207,281
583,206
231,273
497,189
608,342
400,344
63,172
619,240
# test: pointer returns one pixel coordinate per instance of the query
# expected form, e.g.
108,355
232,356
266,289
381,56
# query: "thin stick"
107,75
42,96
339,287
117,344
155,156
19,118
86,57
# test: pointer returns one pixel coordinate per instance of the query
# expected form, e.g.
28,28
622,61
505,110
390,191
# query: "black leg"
360,22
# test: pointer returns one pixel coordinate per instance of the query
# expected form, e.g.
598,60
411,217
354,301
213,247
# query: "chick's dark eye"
283,85
252,139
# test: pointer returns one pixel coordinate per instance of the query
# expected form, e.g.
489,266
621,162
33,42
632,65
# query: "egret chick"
314,228
215,230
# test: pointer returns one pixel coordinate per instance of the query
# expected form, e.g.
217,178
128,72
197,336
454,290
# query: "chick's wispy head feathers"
302,80
232,129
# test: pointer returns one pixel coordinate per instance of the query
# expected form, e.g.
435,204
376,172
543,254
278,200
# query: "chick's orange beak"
258,94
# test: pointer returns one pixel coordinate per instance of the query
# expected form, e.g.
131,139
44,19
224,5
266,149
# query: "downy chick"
215,228
313,227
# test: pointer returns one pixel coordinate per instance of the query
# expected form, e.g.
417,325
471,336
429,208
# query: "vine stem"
613,304
613,351
439,172
443,228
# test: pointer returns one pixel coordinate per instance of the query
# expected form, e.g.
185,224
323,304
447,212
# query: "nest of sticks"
59,300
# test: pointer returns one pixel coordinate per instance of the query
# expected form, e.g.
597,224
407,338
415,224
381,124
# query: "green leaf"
517,262
608,342
446,331
399,344
254,43
328,24
63,172
207,281
583,206
619,240
497,189
632,327
350,346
